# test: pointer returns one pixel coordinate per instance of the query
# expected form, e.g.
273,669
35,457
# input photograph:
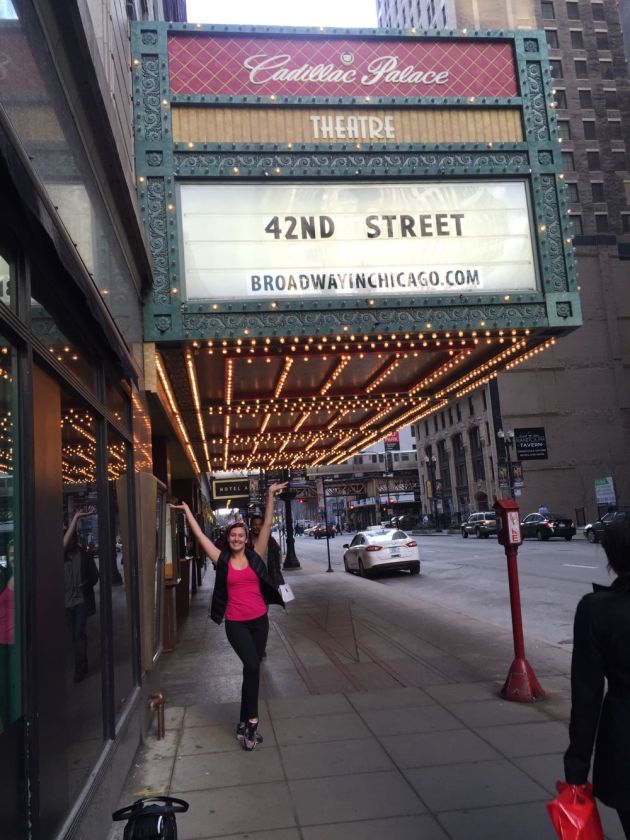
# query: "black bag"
152,818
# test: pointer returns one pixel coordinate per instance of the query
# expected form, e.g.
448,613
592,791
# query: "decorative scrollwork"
545,158
316,163
149,37
156,224
151,98
537,95
442,317
531,45
564,309
553,234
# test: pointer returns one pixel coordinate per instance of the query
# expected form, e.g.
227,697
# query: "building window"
435,425
450,416
443,419
548,11
601,39
459,412
601,222
552,39
610,98
593,161
573,193
597,189
573,11
568,162
589,129
614,129
625,222
556,68
581,71
598,11
426,428
471,407
586,98
564,129
607,71
576,224
476,454
484,400
577,39
561,99
619,161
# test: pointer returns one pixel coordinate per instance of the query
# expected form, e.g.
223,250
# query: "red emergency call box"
508,522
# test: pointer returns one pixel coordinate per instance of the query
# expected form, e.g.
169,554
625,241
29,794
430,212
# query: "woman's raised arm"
206,544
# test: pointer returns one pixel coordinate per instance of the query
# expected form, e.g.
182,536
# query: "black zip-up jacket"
601,653
219,596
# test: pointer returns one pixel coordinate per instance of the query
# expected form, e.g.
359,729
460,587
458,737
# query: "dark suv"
480,524
595,531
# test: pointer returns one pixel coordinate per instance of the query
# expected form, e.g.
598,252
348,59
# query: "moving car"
595,530
543,526
480,524
381,548
319,531
405,522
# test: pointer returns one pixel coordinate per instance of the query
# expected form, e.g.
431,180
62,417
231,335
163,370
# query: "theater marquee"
358,240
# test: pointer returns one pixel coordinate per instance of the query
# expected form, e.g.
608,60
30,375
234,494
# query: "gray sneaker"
240,733
251,738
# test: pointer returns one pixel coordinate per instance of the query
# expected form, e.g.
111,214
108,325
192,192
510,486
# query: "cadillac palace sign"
234,65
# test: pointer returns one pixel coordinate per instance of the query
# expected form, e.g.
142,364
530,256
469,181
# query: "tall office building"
575,401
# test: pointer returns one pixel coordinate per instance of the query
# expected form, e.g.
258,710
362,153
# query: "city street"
470,576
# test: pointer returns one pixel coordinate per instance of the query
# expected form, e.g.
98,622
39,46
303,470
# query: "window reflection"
60,346
7,284
10,664
118,483
82,588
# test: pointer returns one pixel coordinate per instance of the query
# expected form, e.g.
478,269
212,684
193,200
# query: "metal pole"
508,444
330,568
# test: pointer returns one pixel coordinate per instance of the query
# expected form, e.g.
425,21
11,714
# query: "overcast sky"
284,12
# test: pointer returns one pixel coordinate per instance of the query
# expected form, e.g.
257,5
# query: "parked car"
381,548
481,524
319,531
595,530
543,526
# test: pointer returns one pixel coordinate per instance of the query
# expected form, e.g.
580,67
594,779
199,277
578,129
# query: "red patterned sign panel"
246,65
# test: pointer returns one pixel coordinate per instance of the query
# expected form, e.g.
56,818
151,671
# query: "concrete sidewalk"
381,719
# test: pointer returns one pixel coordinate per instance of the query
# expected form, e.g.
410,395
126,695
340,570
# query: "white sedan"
381,548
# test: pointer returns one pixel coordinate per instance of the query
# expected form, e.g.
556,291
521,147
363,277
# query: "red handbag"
574,813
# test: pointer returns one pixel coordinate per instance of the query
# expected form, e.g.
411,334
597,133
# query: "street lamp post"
508,441
431,462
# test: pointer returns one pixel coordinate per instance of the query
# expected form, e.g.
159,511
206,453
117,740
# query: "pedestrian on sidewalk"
601,652
242,591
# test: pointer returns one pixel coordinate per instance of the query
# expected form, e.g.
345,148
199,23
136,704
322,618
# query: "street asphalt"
381,718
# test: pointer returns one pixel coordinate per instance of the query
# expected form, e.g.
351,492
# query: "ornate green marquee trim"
161,164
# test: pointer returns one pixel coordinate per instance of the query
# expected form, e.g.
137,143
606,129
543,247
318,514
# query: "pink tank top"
244,601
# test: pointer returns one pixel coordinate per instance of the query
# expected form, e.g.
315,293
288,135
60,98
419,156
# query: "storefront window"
10,648
118,484
82,589
7,284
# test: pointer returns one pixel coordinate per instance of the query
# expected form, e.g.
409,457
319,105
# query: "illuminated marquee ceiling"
248,403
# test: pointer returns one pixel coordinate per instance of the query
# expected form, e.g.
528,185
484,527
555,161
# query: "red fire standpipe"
521,684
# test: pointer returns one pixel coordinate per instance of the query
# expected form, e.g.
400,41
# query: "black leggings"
249,639
624,817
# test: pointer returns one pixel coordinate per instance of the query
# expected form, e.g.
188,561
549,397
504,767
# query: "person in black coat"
601,651
242,591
